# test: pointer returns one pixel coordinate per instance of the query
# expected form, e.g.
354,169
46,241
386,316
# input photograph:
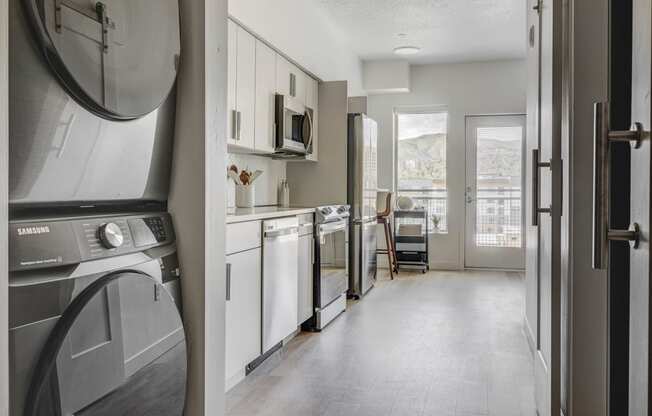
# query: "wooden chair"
384,218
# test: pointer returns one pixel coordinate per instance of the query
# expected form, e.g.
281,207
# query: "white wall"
305,33
465,89
4,172
197,197
266,186
386,77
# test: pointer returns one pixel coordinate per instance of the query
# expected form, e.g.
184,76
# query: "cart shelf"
411,238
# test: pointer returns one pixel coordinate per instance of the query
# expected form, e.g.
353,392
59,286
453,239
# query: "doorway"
494,236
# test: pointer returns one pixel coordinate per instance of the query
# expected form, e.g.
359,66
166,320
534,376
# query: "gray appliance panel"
362,167
119,57
62,152
46,243
280,280
122,323
362,250
333,259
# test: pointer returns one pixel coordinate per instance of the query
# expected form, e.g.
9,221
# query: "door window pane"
499,168
421,171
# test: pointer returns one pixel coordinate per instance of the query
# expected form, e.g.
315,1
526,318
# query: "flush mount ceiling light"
407,50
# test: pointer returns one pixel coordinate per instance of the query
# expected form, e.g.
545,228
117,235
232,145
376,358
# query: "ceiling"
445,30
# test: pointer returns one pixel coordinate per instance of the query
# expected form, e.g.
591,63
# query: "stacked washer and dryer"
94,279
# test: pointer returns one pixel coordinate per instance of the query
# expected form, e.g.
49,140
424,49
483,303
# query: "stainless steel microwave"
294,127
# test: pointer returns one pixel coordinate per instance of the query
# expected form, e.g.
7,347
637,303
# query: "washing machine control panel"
59,242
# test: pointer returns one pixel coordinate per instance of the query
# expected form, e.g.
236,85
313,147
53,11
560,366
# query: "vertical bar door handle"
536,210
602,137
239,125
228,281
234,124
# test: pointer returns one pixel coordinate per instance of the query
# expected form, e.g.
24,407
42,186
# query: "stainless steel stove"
331,273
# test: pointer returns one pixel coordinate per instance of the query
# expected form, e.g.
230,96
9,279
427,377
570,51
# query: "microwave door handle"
312,132
310,126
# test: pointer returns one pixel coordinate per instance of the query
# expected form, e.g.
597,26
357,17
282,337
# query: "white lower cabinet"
305,295
243,313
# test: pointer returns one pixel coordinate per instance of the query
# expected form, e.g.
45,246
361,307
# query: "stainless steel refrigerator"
362,189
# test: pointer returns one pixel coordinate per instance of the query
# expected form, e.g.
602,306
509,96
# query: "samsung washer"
95,317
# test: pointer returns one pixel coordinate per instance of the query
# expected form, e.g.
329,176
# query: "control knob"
111,235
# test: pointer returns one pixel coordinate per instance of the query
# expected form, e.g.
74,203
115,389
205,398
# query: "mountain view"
422,161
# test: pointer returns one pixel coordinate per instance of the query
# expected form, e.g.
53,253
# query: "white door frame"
485,257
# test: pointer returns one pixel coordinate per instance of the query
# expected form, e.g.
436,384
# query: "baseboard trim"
531,342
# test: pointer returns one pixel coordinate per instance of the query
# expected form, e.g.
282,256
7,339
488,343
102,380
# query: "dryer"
92,100
95,317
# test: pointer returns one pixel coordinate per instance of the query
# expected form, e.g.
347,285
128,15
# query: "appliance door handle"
312,250
536,210
310,131
280,233
325,229
228,281
602,137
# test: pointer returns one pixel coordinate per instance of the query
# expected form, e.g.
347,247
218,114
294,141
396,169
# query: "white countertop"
261,213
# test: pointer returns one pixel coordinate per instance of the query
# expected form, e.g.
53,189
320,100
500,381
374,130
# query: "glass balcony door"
494,192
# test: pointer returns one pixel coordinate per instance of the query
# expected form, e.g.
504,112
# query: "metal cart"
411,238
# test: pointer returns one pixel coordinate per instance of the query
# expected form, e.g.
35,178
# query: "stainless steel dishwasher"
280,280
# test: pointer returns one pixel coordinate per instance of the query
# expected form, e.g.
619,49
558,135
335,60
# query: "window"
499,157
421,162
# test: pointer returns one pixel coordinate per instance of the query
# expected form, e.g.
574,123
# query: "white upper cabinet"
300,85
283,76
290,80
256,73
241,88
232,109
265,98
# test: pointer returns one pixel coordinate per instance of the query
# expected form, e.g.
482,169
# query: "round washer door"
118,58
118,349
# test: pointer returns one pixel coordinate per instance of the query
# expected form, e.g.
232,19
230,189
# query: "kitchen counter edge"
263,213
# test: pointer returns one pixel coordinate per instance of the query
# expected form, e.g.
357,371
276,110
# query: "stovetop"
330,213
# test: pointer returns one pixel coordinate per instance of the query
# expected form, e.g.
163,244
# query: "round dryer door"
118,349
118,58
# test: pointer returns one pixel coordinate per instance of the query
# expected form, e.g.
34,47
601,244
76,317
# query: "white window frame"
424,109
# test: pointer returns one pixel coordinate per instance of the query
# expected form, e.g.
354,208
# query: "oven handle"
332,227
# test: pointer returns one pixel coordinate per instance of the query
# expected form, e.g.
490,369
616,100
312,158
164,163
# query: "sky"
415,125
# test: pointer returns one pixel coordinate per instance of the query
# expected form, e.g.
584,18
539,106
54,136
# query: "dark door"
640,212
611,172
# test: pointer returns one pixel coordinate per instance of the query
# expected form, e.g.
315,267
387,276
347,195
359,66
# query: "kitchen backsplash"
266,186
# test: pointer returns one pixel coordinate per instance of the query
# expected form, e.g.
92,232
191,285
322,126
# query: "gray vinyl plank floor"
439,344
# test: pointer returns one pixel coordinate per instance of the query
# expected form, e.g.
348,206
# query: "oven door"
333,261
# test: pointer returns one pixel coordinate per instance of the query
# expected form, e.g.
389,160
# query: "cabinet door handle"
312,250
603,136
536,210
239,124
228,281
234,124
293,85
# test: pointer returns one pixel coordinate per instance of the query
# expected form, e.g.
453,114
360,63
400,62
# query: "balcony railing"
498,214
435,202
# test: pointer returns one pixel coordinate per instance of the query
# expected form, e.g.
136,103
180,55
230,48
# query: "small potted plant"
435,222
